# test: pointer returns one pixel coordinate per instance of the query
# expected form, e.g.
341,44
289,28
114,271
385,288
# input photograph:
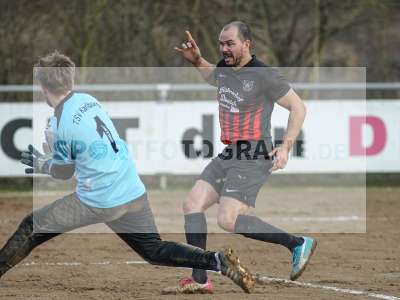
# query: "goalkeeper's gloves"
38,162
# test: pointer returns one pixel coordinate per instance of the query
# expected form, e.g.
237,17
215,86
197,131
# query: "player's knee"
192,204
187,205
227,221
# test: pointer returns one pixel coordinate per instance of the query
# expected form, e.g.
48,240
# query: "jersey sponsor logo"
227,91
248,85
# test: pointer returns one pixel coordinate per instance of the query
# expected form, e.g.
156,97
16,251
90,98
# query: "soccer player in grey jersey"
247,92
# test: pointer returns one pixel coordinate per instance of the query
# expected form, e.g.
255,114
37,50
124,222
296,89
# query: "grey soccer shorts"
237,177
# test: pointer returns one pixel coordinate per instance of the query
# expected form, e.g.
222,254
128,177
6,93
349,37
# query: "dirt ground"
100,266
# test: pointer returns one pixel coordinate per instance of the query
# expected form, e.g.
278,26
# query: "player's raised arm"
191,52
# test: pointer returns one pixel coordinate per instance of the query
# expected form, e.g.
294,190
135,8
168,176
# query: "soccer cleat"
190,286
233,269
301,256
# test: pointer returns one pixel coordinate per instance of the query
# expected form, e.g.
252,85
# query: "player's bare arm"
191,52
292,102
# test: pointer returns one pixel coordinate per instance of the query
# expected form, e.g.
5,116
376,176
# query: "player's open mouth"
227,57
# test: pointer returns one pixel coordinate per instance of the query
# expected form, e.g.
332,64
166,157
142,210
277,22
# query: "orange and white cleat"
229,265
189,286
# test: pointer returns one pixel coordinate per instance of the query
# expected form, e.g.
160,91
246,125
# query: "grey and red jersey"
246,99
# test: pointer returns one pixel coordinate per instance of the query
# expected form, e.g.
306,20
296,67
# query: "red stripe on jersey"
257,121
235,127
246,127
224,123
228,126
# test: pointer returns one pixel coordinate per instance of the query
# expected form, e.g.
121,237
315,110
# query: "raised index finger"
188,36
191,40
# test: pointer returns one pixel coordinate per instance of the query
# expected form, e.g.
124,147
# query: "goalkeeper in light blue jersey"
82,141
85,140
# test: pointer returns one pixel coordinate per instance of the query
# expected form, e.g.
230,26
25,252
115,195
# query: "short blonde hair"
55,72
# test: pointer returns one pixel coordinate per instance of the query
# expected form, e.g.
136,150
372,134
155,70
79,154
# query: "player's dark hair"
243,30
55,72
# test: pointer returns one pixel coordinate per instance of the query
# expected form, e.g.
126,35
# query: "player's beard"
236,59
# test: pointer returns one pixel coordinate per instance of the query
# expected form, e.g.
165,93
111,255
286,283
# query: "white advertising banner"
337,136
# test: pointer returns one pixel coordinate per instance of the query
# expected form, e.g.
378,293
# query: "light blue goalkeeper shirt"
83,134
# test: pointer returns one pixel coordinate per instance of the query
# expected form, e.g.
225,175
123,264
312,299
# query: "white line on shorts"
260,279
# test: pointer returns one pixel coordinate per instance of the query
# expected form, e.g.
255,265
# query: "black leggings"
147,244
